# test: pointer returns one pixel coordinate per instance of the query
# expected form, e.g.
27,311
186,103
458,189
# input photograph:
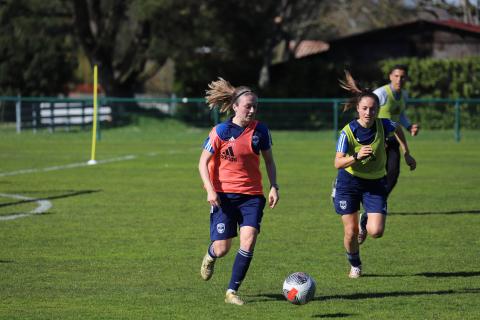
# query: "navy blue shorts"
236,210
350,191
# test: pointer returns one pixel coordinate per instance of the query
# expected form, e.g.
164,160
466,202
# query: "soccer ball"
299,288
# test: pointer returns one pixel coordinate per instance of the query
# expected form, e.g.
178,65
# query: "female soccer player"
360,160
230,170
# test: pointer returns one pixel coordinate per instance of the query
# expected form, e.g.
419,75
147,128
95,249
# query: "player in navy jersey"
360,159
230,170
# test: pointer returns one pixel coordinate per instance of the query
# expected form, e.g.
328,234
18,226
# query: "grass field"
124,239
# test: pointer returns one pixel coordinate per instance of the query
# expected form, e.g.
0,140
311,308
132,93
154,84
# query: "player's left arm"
403,144
273,195
413,128
265,146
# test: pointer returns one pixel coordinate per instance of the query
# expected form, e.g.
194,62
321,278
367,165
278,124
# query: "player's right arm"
212,196
413,128
342,159
403,144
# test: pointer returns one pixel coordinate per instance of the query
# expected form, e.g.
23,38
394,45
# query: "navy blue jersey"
363,135
228,130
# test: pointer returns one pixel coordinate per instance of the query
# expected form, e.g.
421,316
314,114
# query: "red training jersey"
235,167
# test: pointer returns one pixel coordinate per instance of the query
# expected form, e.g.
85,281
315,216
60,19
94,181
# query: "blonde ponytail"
221,94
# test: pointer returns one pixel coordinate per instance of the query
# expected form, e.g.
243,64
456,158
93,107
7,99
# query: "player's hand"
273,197
365,152
414,129
410,161
213,199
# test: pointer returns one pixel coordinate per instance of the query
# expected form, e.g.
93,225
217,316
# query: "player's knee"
221,250
376,233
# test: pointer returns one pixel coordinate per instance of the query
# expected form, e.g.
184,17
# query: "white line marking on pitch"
43,206
67,166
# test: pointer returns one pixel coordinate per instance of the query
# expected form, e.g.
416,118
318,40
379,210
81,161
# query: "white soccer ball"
299,288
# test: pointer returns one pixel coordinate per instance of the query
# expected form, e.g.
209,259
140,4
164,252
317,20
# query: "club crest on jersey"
255,140
228,154
343,204
221,227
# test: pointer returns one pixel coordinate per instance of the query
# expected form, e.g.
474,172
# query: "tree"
292,20
467,11
36,48
131,40
114,37
252,29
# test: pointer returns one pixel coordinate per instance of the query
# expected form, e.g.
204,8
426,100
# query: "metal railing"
279,113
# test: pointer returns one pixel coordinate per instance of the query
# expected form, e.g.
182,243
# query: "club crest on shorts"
343,204
221,227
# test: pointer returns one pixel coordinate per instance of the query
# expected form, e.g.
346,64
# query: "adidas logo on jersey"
228,155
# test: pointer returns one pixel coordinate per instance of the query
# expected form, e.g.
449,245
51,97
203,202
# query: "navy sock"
354,259
240,268
211,253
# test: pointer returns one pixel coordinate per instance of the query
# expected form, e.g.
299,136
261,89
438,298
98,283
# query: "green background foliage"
441,78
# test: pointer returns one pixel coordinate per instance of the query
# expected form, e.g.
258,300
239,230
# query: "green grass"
124,240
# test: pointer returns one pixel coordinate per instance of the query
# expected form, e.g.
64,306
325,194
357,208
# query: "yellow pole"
94,127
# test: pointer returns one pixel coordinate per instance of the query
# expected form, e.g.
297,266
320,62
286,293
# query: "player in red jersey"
230,170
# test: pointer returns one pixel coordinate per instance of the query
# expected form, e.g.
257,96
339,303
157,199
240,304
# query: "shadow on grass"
69,193
267,297
332,315
7,261
361,296
425,213
465,274
427,274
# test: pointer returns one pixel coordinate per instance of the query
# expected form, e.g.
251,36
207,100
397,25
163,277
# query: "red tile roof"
455,24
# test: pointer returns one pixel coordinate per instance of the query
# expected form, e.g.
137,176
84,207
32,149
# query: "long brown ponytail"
351,85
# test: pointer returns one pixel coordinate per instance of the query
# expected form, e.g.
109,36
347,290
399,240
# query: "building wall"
449,45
